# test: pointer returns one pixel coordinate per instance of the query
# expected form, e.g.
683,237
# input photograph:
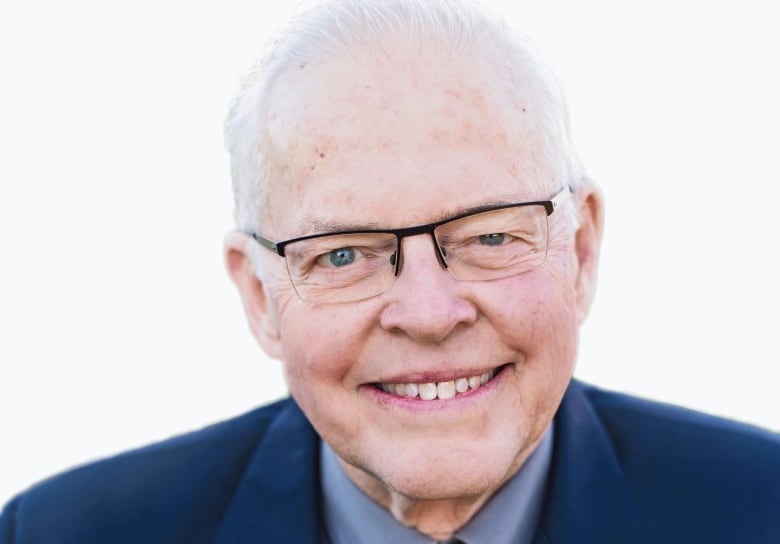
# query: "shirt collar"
509,516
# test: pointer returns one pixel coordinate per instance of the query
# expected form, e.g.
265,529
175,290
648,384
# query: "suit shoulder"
685,465
629,419
171,491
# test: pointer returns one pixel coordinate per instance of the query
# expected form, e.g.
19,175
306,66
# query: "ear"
590,206
260,311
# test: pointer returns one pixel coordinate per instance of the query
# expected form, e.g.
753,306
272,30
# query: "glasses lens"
341,267
495,244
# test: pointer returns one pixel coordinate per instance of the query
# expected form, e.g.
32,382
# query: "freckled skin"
398,143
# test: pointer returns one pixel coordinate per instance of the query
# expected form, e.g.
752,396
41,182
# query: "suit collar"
277,499
588,500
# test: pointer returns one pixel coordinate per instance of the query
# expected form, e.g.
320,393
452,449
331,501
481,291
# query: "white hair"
325,29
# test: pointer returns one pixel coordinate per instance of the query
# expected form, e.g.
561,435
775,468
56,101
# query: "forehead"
394,141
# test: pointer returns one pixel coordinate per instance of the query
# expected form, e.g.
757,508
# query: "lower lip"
459,400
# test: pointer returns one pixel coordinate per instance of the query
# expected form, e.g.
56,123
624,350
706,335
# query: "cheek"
539,322
532,307
322,345
322,350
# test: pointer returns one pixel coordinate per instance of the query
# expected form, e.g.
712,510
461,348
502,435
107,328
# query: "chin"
448,472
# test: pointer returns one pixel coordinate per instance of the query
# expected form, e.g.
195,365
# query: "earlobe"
590,205
260,311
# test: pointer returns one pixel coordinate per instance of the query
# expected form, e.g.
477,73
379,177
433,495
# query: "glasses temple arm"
560,198
268,244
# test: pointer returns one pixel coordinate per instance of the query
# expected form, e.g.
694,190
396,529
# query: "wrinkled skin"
389,143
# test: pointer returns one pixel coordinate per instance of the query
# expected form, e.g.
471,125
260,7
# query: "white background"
118,325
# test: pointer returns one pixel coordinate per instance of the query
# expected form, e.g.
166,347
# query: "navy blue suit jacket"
624,470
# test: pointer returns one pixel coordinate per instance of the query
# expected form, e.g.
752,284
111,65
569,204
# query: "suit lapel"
588,500
277,498
587,497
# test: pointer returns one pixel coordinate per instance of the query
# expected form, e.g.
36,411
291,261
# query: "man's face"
376,143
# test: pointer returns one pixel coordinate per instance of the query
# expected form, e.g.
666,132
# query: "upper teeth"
438,390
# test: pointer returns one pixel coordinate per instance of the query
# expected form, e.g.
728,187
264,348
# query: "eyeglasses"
487,244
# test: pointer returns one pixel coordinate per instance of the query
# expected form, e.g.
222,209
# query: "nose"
426,302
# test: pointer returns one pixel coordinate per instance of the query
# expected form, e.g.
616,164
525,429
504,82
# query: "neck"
438,518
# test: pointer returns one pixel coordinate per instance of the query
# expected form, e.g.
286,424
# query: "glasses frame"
549,205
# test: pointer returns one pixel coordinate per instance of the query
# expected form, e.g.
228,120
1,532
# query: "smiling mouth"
439,390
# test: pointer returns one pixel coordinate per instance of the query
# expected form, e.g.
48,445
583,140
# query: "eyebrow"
488,204
324,227
319,226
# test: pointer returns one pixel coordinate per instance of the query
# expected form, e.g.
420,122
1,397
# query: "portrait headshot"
389,272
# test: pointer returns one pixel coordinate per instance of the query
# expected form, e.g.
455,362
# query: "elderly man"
418,244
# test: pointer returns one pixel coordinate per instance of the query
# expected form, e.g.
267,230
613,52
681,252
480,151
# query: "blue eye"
342,256
495,239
